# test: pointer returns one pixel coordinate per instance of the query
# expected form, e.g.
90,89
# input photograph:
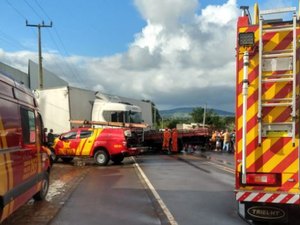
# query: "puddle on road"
56,188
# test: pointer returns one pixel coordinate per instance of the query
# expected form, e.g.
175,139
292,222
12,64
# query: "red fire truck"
267,115
24,166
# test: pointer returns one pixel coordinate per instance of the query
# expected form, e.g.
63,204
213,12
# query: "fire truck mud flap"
263,212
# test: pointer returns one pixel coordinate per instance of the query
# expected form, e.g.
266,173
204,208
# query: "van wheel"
101,157
41,195
117,159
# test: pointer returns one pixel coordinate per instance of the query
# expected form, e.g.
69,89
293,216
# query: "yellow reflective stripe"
86,145
6,175
3,138
278,157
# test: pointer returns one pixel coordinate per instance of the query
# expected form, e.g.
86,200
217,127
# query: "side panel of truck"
54,107
81,103
60,105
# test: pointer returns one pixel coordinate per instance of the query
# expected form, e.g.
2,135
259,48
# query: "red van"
24,166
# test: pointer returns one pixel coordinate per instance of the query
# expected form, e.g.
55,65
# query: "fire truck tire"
41,195
101,157
117,159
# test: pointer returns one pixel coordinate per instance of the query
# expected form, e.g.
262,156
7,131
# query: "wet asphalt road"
108,195
194,189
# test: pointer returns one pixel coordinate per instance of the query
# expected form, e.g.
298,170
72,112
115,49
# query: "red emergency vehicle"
102,144
267,115
24,167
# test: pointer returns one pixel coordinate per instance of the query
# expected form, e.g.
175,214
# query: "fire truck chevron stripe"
285,42
268,197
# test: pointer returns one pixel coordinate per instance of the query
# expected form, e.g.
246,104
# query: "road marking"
217,165
224,168
155,194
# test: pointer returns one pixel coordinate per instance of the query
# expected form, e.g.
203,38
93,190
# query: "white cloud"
180,58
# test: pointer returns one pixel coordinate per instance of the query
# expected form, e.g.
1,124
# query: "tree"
211,118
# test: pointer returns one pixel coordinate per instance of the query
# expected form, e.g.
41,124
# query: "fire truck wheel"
117,159
44,188
101,157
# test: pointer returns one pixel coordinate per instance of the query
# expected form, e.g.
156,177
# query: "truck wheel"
117,159
101,157
41,195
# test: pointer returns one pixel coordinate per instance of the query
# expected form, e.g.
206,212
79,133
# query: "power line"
10,40
69,65
35,12
72,68
41,8
14,8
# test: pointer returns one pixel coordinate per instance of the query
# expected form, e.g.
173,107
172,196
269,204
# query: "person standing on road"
174,140
213,140
45,140
50,137
226,143
166,140
232,139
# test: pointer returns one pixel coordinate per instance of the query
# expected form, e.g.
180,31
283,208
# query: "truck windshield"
134,117
123,116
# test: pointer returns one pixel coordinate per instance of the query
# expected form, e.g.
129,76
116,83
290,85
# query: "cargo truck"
59,106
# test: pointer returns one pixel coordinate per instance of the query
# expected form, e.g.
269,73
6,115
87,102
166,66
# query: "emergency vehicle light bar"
246,39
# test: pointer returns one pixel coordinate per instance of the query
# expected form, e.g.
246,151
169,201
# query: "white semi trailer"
60,105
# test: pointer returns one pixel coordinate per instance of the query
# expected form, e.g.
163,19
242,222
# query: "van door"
29,153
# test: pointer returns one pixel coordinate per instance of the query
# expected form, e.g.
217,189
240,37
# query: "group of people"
170,140
223,141
48,138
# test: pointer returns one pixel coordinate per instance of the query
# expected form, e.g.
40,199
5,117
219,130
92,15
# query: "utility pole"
39,26
204,115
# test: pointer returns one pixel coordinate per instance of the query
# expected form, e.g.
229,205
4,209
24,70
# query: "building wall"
50,79
15,74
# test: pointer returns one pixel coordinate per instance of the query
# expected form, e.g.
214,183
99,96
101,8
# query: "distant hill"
185,112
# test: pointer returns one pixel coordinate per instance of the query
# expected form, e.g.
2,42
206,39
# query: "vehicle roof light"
246,39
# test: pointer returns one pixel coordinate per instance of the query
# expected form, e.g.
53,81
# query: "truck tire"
101,157
41,195
117,159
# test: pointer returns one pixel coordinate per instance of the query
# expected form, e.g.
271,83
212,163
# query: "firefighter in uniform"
166,140
174,140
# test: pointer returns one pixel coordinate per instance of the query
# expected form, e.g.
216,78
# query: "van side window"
9,124
28,126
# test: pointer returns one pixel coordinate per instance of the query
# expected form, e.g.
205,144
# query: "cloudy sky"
175,53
